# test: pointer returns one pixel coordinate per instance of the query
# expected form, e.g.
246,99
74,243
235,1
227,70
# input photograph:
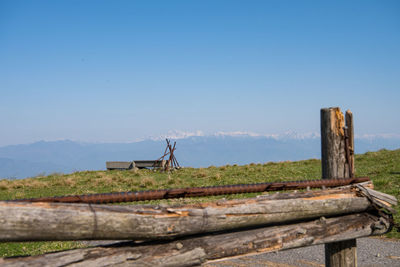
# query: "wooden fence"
188,235
193,234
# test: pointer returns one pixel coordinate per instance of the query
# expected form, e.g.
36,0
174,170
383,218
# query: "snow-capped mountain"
195,149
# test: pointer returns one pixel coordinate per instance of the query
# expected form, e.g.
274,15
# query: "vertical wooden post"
334,165
342,253
332,143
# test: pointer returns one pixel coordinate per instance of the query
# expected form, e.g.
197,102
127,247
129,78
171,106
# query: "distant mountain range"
195,150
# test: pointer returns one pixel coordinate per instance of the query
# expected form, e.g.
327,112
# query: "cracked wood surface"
61,221
333,154
195,250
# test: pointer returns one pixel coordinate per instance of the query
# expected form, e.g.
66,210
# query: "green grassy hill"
383,167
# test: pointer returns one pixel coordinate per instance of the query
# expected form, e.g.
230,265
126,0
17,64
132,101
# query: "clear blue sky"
115,71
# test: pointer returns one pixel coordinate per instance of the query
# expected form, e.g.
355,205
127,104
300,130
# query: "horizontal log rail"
23,221
187,235
190,251
197,191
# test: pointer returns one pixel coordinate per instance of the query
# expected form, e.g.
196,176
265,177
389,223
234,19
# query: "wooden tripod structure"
171,162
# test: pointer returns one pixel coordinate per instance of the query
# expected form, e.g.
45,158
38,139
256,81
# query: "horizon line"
179,135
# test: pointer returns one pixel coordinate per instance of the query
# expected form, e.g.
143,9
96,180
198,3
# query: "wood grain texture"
379,199
333,156
334,165
341,253
195,250
21,221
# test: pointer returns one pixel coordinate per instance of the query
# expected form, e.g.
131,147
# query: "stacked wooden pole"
172,162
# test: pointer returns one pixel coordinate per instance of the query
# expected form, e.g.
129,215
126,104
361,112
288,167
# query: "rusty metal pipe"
196,191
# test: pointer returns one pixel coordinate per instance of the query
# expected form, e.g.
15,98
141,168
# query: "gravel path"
371,252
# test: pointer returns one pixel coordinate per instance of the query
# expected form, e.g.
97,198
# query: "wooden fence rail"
195,250
186,235
25,221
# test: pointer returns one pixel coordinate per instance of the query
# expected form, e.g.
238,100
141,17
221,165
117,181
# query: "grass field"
383,167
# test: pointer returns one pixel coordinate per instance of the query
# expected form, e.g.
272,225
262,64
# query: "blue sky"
116,71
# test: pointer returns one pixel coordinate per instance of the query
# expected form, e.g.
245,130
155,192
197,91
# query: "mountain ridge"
195,150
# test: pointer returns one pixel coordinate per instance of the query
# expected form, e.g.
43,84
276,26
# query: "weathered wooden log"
196,250
334,164
21,221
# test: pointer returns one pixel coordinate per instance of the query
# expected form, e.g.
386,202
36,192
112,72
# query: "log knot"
381,226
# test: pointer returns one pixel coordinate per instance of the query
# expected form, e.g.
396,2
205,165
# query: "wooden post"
332,144
334,165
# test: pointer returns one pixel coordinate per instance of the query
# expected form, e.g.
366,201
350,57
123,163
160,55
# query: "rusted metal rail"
196,191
